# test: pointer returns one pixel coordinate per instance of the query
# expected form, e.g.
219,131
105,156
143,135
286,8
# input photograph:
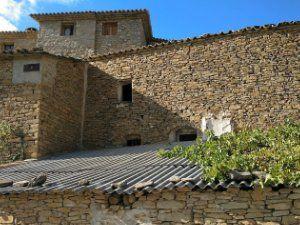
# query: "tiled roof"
34,52
204,37
130,166
82,13
101,15
18,34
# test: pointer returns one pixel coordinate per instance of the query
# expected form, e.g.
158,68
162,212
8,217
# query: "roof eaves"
101,15
36,52
85,14
18,34
194,39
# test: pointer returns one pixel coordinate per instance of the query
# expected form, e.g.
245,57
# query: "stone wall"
88,39
234,206
48,110
61,106
81,44
130,35
19,106
251,76
21,40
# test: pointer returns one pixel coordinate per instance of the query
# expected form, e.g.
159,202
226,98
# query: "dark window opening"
8,47
67,29
127,92
110,28
134,142
187,137
31,67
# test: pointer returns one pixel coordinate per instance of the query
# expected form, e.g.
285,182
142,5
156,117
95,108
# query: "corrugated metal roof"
103,168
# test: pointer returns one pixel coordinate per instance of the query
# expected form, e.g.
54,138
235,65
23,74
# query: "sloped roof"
103,168
18,34
205,37
100,15
35,52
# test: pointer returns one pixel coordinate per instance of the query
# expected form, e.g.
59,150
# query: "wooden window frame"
110,28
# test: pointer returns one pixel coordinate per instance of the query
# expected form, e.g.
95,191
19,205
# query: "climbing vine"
273,153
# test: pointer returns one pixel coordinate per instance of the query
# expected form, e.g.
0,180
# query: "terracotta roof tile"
100,15
155,44
18,34
35,52
40,15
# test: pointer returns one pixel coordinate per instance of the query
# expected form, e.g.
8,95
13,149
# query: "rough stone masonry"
182,206
251,76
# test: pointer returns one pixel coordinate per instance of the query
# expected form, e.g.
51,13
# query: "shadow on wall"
109,121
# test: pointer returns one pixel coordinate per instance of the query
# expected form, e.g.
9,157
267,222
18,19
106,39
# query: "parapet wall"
250,76
234,206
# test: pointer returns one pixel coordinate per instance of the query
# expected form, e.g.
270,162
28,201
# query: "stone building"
137,89
89,33
18,40
91,80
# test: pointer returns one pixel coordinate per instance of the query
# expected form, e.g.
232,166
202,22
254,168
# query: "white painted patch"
219,125
26,77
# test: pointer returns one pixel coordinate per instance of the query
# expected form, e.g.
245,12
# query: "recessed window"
110,28
186,133
67,29
31,67
134,142
187,137
8,47
125,91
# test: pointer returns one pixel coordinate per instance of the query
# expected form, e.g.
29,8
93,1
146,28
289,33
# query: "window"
110,28
134,142
31,67
8,47
187,137
67,29
125,91
186,133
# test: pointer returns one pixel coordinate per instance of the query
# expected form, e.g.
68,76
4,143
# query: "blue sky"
172,19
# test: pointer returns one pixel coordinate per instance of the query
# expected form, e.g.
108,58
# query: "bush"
6,135
9,151
276,152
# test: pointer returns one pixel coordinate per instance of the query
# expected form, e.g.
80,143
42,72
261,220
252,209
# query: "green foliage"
275,152
6,134
8,151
